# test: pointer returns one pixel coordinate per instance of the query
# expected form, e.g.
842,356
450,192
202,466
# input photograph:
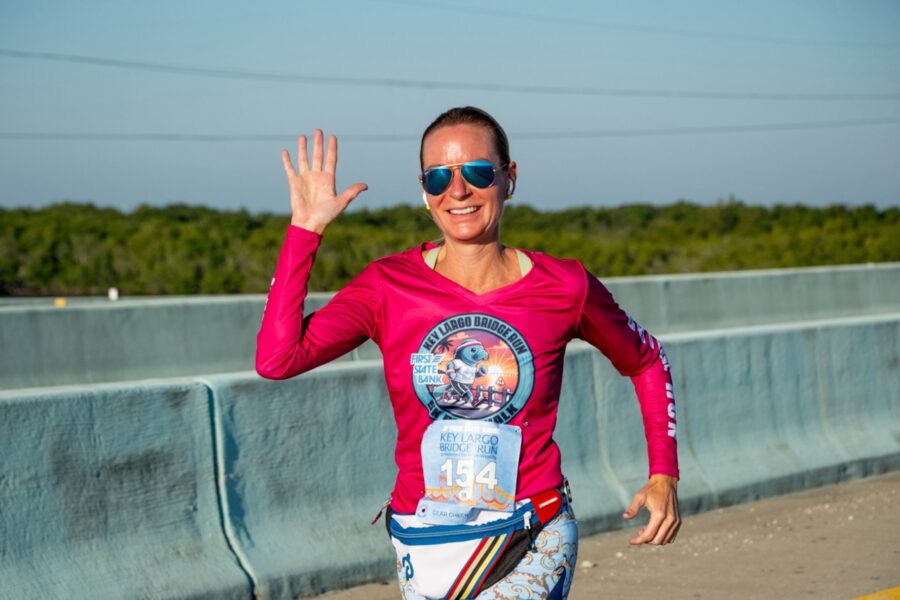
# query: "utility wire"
537,135
677,131
228,73
645,29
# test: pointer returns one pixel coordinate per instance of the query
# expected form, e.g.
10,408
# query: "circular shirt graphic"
473,366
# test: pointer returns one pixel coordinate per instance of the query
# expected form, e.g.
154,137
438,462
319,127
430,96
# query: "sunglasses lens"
436,180
479,173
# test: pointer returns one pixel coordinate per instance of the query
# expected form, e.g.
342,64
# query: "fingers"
664,531
330,158
676,524
662,528
288,165
331,155
352,192
302,156
317,151
649,532
635,507
673,533
667,530
662,502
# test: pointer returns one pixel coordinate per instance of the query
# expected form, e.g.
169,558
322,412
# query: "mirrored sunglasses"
479,173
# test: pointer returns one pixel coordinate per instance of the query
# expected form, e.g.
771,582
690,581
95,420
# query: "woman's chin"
470,235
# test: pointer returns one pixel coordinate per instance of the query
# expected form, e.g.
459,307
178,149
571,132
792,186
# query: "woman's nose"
458,186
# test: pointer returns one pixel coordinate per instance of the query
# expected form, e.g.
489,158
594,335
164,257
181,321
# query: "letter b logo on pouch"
407,567
473,366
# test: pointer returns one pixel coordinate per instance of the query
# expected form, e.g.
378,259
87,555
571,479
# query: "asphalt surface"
840,541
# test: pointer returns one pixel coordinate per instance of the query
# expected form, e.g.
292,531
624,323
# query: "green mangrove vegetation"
81,249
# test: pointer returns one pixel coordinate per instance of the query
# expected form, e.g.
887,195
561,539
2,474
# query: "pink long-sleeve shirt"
451,353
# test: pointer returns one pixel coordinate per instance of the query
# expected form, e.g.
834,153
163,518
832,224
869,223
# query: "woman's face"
463,212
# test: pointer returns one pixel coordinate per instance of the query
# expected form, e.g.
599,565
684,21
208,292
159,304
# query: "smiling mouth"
463,211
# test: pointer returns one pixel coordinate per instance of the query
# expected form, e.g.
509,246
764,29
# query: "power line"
228,73
187,137
645,29
538,135
676,131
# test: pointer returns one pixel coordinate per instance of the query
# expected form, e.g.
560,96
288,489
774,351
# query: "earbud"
512,188
425,200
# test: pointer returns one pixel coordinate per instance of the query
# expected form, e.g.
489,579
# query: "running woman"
473,335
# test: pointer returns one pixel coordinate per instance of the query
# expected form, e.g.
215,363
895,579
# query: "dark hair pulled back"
469,115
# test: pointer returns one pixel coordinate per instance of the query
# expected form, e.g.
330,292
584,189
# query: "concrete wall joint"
218,445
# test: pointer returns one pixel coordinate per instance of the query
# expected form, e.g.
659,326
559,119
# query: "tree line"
81,249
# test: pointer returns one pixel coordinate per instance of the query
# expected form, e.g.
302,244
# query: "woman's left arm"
636,353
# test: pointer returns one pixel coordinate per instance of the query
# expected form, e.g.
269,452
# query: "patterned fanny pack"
456,562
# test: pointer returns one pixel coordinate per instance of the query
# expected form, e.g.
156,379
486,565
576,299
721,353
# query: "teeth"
463,211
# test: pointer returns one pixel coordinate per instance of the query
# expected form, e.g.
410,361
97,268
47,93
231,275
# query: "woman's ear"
511,173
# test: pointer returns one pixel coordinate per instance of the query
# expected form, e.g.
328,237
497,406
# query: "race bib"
469,465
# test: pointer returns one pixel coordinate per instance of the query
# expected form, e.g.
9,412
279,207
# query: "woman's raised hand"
314,201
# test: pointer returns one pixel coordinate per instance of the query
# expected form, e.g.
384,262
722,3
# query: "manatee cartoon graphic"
462,372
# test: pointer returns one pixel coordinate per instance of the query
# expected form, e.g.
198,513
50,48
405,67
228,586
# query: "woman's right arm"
288,344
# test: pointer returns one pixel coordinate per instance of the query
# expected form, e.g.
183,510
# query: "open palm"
314,200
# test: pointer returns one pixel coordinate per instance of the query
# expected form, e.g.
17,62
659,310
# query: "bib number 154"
464,476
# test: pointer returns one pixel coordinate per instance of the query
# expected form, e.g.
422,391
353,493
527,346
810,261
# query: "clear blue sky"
770,47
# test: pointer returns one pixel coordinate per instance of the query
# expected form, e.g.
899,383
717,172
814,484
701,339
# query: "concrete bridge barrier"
97,341
773,409
307,464
93,341
761,411
108,492
699,301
